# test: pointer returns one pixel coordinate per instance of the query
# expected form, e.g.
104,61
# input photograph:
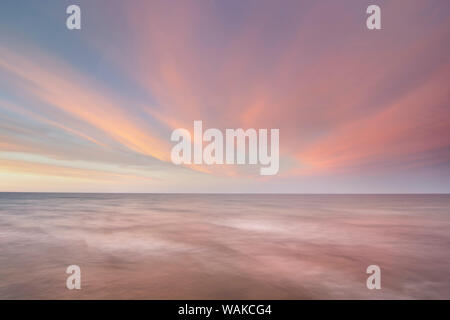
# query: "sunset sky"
92,110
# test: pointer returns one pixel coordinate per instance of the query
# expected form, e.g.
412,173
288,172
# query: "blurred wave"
192,246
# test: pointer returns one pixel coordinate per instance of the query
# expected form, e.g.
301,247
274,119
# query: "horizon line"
235,193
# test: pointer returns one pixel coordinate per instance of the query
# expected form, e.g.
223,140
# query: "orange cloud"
28,167
67,90
413,125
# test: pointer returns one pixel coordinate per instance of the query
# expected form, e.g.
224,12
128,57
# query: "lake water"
194,246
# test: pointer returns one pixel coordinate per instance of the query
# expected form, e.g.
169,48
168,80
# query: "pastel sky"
92,110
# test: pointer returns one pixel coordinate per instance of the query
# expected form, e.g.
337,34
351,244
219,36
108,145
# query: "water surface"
169,246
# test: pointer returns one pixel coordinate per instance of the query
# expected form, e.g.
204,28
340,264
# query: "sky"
92,110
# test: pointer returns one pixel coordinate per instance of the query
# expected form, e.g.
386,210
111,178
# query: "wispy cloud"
345,99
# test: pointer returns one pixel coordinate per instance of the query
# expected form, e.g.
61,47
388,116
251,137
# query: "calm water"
224,246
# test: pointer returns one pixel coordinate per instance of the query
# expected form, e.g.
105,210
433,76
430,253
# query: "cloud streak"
346,100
